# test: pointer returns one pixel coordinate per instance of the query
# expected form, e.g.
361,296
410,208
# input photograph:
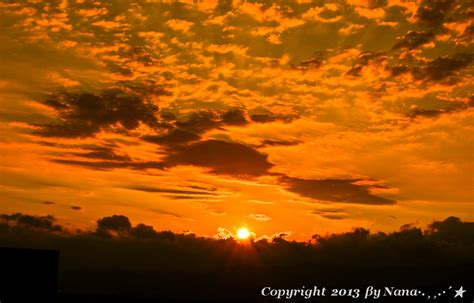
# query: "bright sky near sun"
243,233
295,117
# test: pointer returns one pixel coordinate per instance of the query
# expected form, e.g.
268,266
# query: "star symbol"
459,292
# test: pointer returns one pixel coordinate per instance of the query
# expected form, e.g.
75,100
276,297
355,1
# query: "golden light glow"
243,233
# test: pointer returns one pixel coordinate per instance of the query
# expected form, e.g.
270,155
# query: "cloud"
171,191
116,223
234,117
229,158
190,197
168,213
223,80
223,233
190,125
312,63
270,117
324,15
173,137
201,121
452,230
179,25
447,108
370,13
198,121
261,202
364,59
120,225
432,13
273,142
331,214
333,190
443,67
76,207
104,165
228,48
103,153
85,114
436,70
143,231
221,157
351,29
259,217
414,39
36,222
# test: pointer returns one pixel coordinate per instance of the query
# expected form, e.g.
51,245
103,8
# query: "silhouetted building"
28,275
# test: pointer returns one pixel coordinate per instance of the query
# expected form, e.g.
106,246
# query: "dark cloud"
355,70
189,197
234,117
49,203
171,191
168,116
188,127
145,87
103,153
432,12
332,214
452,230
437,69
202,188
37,222
414,39
443,67
399,69
105,165
173,137
363,60
326,210
236,159
165,212
270,117
272,142
85,114
229,158
221,157
422,112
143,231
199,122
120,225
223,6
313,63
344,191
76,207
117,223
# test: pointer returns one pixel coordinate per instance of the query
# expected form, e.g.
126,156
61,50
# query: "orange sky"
296,117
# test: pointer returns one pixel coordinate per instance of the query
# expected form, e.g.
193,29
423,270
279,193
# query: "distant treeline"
119,261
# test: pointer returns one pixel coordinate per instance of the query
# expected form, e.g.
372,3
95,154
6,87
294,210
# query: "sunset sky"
296,117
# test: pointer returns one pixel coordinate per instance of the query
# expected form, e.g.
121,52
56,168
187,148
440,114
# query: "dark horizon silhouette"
121,262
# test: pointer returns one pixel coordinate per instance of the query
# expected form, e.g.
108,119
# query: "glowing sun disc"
243,233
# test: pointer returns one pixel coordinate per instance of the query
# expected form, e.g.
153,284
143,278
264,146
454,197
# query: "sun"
243,233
